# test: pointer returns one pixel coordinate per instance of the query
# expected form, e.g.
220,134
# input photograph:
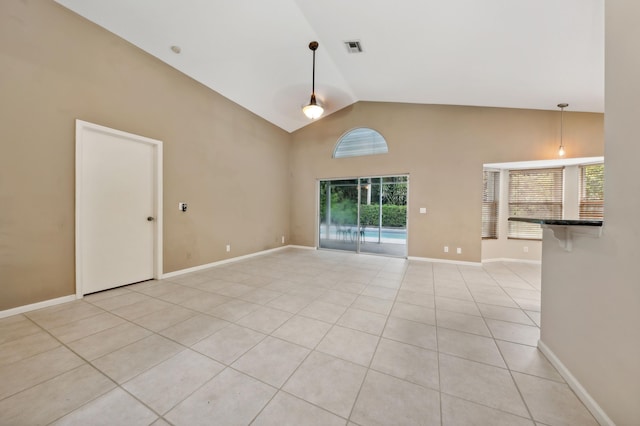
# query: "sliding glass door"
383,215
367,215
339,214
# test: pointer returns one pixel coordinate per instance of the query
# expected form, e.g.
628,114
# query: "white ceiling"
501,53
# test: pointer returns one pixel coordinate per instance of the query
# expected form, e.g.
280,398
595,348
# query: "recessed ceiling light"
176,49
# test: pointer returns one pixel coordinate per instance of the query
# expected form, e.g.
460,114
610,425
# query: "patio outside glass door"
365,215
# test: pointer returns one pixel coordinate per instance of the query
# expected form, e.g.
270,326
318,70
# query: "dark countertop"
558,222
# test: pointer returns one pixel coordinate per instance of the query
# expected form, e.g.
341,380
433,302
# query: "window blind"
535,193
361,141
592,191
490,197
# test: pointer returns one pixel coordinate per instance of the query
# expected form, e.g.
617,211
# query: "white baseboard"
505,259
574,384
455,262
38,305
222,262
302,247
70,298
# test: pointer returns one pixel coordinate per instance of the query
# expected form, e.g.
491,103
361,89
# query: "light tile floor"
296,337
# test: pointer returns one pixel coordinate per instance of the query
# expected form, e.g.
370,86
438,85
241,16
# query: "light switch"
423,210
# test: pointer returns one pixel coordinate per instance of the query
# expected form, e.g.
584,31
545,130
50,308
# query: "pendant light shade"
314,109
561,151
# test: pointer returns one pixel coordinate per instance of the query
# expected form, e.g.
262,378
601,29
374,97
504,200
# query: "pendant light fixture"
314,109
561,150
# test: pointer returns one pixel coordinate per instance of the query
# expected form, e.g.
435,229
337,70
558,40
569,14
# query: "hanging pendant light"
561,150
314,109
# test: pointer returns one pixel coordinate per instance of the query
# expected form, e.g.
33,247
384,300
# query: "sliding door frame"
359,184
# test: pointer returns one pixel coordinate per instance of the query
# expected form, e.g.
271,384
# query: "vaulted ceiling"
500,53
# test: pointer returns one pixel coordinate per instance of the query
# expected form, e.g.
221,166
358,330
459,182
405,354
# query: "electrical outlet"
526,249
459,250
228,247
283,239
446,249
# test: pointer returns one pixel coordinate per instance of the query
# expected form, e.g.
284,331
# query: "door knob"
150,218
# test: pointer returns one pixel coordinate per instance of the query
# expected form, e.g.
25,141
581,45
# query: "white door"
116,208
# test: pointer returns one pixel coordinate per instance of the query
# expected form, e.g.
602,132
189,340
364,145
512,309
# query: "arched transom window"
360,141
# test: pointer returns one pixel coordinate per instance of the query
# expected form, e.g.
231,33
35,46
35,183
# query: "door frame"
358,178
81,127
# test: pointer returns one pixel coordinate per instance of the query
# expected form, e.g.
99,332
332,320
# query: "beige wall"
229,165
591,296
443,149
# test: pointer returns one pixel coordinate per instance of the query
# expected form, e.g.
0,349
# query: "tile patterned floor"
296,337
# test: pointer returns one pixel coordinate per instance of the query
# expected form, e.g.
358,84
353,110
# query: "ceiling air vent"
353,46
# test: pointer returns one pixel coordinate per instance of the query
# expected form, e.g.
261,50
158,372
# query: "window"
592,191
361,141
490,197
534,193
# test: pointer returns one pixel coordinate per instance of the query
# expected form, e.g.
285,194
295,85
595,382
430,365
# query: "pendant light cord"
562,106
313,75
561,125
313,46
